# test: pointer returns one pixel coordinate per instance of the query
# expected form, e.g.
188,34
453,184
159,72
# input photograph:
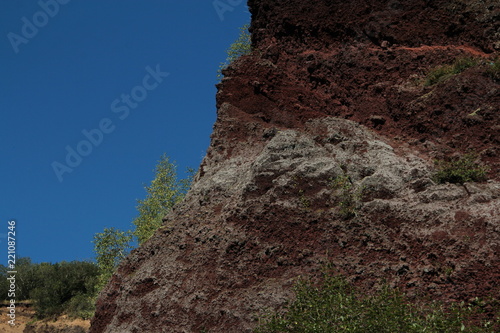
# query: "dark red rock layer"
367,61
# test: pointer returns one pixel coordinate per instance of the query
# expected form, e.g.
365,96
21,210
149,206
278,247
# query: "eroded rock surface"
323,153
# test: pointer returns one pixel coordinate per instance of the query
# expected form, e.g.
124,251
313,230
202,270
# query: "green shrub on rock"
349,196
462,170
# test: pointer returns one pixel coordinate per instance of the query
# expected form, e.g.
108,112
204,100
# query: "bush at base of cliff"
60,288
81,306
460,171
61,282
335,306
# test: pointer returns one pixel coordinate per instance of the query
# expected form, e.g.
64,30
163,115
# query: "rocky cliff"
323,152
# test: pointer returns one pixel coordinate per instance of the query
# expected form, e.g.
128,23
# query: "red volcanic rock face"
332,91
366,61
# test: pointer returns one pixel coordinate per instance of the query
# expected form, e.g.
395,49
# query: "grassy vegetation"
459,171
335,306
442,73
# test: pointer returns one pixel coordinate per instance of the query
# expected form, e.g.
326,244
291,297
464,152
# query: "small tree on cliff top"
112,245
241,46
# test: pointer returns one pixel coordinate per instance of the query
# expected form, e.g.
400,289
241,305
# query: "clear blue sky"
100,66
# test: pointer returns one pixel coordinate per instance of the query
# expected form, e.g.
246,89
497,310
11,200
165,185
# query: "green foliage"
349,196
242,46
442,73
60,283
81,306
493,70
304,200
335,306
26,279
464,169
55,288
164,192
110,246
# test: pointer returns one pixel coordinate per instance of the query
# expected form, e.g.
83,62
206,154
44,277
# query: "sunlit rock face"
323,152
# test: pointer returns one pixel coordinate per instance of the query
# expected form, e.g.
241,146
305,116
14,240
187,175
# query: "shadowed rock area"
323,152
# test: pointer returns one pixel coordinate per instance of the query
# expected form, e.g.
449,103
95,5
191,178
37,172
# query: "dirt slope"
26,322
24,314
333,91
